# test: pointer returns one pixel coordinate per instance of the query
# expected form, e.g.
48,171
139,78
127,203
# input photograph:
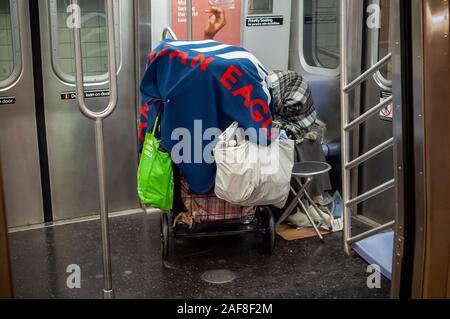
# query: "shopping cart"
209,216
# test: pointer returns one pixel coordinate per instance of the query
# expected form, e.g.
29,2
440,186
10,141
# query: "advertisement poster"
231,34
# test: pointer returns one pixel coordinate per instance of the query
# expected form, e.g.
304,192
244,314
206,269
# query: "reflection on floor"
300,269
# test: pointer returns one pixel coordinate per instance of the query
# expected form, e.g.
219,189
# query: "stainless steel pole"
189,19
371,232
345,135
98,117
108,292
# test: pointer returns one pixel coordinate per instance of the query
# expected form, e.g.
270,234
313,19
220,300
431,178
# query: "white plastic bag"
253,175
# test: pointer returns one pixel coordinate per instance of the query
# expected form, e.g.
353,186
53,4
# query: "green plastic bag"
155,174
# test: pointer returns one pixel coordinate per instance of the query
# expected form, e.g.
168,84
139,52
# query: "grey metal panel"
379,169
18,140
273,50
71,143
418,47
161,17
399,157
144,32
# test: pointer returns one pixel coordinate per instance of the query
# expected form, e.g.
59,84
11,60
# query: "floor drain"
219,277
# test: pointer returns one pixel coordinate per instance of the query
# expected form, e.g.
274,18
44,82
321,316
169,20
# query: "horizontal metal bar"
328,52
370,233
372,193
375,68
217,234
373,152
361,119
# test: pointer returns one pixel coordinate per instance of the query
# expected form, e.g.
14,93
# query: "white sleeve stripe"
182,43
243,55
212,49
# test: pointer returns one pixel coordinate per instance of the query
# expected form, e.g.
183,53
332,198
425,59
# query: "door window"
10,61
94,47
381,44
321,37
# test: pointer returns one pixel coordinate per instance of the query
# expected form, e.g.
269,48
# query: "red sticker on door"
387,113
231,34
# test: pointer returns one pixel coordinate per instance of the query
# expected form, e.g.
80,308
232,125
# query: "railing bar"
370,154
328,52
169,31
372,193
189,19
375,68
364,117
344,120
371,233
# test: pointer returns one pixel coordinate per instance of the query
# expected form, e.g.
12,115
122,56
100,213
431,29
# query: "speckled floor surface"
300,269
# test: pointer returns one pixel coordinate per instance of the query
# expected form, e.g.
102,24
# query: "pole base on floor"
108,294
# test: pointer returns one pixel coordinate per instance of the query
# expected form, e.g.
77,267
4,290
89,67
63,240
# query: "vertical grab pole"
345,135
108,292
98,117
189,19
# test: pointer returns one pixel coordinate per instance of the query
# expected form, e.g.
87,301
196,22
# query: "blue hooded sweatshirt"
197,86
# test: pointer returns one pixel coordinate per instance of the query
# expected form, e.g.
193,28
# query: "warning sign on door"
231,34
386,114
7,100
87,95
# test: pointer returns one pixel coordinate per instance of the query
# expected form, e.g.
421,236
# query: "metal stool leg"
293,204
305,210
298,200
311,221
319,211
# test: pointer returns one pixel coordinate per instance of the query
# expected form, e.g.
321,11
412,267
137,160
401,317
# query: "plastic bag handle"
157,119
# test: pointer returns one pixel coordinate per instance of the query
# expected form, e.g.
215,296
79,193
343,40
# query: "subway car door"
20,163
70,136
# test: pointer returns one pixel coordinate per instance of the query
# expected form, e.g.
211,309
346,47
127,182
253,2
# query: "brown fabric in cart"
210,208
289,233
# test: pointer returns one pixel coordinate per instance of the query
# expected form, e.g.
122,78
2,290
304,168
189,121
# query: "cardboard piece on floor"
290,233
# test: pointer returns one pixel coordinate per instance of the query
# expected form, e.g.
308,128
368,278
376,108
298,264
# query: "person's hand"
216,21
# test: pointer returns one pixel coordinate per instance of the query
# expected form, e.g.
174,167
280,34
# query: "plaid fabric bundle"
210,208
294,105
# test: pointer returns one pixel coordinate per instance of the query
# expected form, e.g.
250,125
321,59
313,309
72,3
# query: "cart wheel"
268,230
166,237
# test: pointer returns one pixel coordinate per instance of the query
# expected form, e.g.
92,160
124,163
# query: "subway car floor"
297,269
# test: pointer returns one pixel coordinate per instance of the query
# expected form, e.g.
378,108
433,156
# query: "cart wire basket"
209,216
